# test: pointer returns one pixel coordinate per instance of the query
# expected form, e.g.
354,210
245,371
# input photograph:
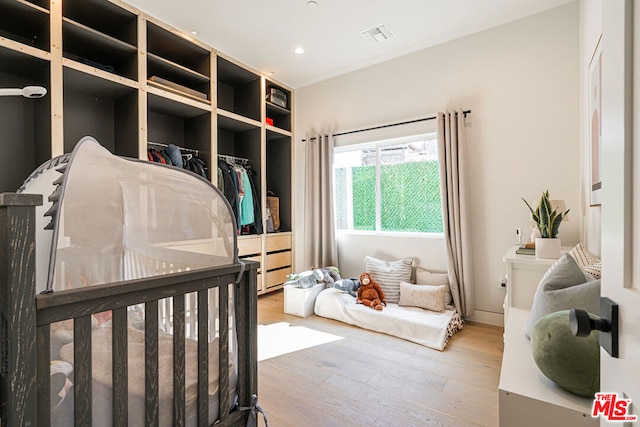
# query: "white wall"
521,82
590,31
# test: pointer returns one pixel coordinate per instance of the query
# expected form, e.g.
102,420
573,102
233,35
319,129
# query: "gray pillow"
566,286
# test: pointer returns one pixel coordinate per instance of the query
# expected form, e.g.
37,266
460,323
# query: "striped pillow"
588,261
389,274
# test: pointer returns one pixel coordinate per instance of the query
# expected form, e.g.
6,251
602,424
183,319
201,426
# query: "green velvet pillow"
571,362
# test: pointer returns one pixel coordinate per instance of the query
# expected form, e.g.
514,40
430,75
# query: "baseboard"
488,317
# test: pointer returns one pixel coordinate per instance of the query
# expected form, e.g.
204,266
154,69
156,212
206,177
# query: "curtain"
455,209
319,228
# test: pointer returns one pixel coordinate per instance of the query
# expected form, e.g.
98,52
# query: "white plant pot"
547,248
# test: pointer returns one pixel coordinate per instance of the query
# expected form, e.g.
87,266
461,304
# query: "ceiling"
264,33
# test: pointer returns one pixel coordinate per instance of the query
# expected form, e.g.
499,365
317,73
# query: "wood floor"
372,379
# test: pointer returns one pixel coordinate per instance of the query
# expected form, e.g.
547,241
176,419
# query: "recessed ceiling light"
299,51
272,73
312,4
194,32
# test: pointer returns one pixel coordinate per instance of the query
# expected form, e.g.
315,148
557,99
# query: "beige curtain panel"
455,208
319,229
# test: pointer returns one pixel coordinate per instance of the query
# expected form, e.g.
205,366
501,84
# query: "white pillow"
425,277
389,274
427,297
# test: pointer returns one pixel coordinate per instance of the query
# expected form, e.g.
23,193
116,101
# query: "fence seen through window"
389,186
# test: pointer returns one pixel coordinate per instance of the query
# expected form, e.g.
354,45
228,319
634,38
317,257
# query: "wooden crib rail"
25,320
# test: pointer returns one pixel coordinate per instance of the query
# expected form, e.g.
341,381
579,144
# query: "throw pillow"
585,259
427,297
564,287
389,274
425,277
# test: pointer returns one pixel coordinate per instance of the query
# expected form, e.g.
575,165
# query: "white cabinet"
526,398
523,275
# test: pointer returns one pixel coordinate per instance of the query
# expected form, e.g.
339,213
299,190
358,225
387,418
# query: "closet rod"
159,144
233,159
408,122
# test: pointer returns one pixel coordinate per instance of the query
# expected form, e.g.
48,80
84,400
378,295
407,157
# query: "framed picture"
595,124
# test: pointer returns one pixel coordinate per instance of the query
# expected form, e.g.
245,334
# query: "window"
389,186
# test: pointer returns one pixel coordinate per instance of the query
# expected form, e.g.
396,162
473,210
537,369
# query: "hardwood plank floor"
372,379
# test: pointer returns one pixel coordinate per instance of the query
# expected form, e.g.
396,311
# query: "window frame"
377,145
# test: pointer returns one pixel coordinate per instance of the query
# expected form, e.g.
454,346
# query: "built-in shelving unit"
132,82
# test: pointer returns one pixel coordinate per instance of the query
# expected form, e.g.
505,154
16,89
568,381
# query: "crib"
106,317
25,333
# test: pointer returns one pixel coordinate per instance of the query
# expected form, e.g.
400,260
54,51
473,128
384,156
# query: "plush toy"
370,293
348,285
328,275
304,280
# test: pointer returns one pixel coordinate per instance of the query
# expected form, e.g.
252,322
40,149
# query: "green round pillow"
571,362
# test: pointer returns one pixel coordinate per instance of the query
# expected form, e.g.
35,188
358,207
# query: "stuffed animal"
304,280
328,275
370,293
348,285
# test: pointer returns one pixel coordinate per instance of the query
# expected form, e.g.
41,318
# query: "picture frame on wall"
595,124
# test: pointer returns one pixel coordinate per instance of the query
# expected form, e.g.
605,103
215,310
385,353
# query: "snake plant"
546,218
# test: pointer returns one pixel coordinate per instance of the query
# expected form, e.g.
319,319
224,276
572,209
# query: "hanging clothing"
236,183
246,205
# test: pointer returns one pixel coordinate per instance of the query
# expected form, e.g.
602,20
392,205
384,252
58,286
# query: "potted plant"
547,221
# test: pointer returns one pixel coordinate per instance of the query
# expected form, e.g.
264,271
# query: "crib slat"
246,320
151,363
120,370
203,359
44,375
82,370
178,361
223,388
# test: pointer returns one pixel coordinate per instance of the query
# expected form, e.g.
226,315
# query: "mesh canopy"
108,219
118,219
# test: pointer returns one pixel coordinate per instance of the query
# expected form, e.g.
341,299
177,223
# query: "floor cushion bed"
425,327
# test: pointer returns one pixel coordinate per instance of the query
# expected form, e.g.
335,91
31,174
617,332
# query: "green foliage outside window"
409,193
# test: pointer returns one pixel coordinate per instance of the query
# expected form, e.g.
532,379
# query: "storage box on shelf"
525,396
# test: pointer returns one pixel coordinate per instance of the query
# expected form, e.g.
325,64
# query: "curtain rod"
408,122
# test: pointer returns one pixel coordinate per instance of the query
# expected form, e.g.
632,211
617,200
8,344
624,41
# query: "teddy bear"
350,285
370,293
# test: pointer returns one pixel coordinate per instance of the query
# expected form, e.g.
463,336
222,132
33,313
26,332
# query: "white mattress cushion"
423,327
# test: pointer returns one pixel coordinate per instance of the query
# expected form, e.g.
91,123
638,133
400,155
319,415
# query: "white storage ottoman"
300,301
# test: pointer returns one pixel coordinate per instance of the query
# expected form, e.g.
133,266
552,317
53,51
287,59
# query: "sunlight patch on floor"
281,338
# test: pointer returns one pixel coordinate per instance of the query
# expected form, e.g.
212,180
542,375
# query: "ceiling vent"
377,34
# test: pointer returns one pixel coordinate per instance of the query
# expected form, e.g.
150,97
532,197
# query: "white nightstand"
523,275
